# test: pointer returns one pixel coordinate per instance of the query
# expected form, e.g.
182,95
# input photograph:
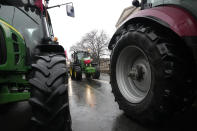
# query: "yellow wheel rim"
70,72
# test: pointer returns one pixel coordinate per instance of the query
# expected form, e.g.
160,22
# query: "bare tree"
96,42
77,46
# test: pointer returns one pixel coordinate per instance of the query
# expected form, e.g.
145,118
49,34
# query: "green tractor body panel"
87,68
13,70
90,70
16,49
6,96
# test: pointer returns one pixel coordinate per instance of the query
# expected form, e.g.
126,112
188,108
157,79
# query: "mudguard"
180,21
47,48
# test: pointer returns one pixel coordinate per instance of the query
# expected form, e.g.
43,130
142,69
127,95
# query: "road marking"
103,81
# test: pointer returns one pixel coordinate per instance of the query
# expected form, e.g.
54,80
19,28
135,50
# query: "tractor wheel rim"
133,74
70,72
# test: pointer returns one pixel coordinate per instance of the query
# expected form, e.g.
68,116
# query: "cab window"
6,13
28,23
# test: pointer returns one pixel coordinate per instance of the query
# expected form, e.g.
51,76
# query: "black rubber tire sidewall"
49,94
131,109
96,74
155,107
72,74
78,73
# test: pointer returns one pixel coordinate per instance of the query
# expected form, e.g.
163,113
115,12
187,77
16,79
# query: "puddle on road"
90,97
70,88
102,81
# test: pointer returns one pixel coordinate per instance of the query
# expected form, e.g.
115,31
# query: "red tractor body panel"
178,19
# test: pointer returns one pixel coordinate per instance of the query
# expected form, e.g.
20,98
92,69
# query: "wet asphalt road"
93,109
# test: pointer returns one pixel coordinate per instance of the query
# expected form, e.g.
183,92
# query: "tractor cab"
32,20
82,54
81,57
26,20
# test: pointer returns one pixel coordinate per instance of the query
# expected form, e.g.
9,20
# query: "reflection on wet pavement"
92,105
93,108
90,98
70,90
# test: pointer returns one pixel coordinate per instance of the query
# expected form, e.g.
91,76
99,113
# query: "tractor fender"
181,22
14,42
8,29
48,48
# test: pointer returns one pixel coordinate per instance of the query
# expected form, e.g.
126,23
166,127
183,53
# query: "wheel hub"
133,74
137,73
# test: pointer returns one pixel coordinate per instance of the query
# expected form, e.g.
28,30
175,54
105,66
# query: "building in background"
104,65
105,62
126,12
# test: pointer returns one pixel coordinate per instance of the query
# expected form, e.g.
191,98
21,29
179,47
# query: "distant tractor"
82,63
154,60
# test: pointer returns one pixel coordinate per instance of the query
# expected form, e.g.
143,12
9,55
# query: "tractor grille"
16,47
3,50
14,37
16,58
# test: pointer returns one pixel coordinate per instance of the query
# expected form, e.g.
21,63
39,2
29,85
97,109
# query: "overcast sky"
89,15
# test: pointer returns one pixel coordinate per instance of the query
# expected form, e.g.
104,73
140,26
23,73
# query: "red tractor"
154,60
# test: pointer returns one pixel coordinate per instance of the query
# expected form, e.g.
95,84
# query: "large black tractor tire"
49,94
78,73
96,75
152,74
72,74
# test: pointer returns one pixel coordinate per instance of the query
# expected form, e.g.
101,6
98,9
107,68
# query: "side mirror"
136,3
70,10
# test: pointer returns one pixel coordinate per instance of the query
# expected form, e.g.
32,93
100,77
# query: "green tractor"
82,63
33,65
